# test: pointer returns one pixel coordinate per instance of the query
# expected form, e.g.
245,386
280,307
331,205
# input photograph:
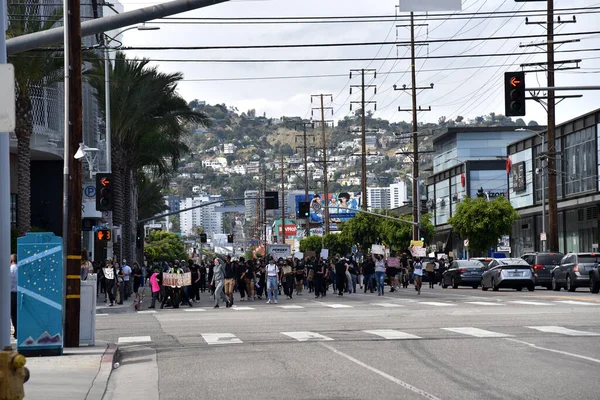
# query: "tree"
533,123
398,235
363,230
520,122
33,72
336,244
311,243
165,246
482,222
150,201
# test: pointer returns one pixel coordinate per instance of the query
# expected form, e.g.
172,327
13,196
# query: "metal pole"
551,153
543,193
66,123
325,173
307,231
109,246
364,145
4,206
282,203
414,129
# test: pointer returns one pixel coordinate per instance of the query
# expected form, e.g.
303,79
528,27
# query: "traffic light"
480,193
138,238
271,200
104,235
303,209
203,238
514,94
230,238
104,192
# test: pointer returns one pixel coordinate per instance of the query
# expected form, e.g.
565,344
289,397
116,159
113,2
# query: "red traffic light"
104,235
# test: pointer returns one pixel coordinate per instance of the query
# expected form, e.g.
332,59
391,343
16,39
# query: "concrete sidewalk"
80,373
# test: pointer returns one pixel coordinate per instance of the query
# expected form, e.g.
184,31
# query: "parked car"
484,260
595,279
574,271
543,264
463,273
494,262
515,275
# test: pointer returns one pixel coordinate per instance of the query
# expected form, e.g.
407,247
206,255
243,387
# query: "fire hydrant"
13,374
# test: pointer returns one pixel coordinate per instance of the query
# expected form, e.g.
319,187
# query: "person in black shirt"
369,271
341,266
319,278
229,279
299,277
240,269
248,277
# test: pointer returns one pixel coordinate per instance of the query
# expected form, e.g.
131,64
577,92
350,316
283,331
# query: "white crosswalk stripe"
387,305
484,303
530,303
305,336
290,307
147,312
134,339
337,305
436,304
238,308
221,338
194,309
476,332
563,331
576,303
392,334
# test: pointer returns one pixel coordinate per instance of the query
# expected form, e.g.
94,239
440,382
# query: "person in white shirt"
13,292
126,269
272,272
418,273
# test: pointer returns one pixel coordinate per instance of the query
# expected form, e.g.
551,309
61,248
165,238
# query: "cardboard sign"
418,251
325,254
299,255
393,262
177,279
280,251
378,249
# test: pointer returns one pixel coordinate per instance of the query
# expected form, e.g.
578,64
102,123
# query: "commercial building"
577,177
465,160
206,217
378,198
398,195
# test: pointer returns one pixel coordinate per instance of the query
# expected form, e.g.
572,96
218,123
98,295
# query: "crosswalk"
228,338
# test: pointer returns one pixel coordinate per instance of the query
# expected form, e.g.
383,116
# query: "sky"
467,86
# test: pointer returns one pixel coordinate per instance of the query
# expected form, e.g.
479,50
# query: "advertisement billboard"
342,207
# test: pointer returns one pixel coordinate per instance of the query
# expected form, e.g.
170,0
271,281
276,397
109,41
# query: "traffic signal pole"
551,152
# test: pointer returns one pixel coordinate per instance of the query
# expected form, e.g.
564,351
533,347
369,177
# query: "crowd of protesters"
265,278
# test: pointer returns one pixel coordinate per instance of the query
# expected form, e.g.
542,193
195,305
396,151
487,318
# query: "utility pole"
321,98
551,109
415,126
72,227
306,124
282,202
363,103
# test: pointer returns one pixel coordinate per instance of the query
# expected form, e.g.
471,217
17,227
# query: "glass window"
442,202
579,161
458,192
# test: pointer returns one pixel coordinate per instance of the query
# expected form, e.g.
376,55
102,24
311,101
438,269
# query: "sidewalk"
80,373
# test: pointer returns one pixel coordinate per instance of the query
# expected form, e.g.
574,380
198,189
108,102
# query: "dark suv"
574,271
542,265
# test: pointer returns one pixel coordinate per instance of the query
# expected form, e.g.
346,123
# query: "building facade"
378,198
578,186
206,217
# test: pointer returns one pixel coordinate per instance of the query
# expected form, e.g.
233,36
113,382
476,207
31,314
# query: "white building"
229,148
239,169
206,217
251,204
217,163
378,198
398,195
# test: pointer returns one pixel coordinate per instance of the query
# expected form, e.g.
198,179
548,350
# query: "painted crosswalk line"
484,303
290,307
337,305
147,312
305,336
436,304
563,331
476,332
392,334
387,305
220,338
101,315
242,308
194,309
134,339
575,302
530,303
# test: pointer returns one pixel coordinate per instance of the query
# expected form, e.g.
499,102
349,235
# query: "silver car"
514,275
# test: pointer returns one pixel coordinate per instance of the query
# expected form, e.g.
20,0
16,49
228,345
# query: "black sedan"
463,273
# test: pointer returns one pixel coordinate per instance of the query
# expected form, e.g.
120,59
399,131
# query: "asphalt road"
444,344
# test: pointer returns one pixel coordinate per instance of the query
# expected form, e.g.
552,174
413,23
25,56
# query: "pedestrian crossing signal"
203,238
104,235
303,209
229,238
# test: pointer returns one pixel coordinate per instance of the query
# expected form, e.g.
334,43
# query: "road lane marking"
220,338
530,303
101,315
238,308
574,302
383,374
436,304
563,331
480,333
337,305
293,307
392,334
134,339
594,360
147,312
484,303
387,305
194,309
305,336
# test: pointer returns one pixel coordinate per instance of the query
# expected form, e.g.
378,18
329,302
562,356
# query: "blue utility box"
40,295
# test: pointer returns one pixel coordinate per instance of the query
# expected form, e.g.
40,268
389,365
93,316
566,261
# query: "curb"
113,310
110,356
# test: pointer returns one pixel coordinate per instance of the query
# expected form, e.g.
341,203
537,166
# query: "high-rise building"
206,217
398,195
251,204
378,198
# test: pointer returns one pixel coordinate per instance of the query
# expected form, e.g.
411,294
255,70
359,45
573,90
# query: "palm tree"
34,70
148,122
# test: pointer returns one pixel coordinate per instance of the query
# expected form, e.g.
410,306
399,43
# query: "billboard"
430,5
342,207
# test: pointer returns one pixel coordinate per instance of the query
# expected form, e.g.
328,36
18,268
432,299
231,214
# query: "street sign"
543,236
89,191
7,103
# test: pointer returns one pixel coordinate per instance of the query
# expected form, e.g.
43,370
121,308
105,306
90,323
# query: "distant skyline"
465,86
